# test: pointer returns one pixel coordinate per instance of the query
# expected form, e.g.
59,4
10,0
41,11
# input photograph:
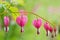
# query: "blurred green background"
29,30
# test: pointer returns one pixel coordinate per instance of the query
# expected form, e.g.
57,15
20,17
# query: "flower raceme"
22,20
37,23
6,22
50,29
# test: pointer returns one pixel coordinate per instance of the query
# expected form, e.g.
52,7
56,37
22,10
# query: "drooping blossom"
21,21
37,24
6,22
46,26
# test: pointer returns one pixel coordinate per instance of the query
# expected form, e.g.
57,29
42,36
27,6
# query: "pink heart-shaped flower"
37,23
21,20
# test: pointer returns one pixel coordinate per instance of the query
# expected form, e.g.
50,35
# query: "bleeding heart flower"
21,21
37,23
6,22
46,26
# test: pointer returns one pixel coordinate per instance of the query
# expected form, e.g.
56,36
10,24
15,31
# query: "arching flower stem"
39,17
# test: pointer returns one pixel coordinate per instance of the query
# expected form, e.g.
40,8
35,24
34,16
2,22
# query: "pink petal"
6,21
37,23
